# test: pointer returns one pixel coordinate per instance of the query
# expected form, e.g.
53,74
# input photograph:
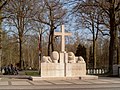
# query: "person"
16,71
6,69
12,69
3,70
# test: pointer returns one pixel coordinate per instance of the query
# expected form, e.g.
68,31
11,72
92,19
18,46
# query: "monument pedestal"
63,69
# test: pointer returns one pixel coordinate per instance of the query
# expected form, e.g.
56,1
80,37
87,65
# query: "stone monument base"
63,69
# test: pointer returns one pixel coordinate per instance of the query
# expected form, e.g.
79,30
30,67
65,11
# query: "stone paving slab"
111,81
78,82
58,82
20,83
64,87
3,82
97,81
40,83
24,82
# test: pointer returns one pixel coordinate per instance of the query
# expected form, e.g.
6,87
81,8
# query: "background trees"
2,4
111,8
106,17
20,12
94,24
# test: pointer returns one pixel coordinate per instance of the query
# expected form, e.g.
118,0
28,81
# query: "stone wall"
63,69
52,70
75,69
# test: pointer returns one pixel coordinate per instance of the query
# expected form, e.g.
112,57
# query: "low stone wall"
63,69
96,71
115,69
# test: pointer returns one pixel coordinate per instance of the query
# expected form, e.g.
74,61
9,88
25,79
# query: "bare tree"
109,19
111,8
51,14
20,13
89,17
2,4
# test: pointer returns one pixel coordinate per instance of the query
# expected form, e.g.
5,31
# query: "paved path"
100,84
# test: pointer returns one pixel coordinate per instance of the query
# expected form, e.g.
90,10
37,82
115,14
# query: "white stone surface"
55,56
62,69
82,77
62,58
62,34
52,70
75,69
71,57
66,57
80,59
46,59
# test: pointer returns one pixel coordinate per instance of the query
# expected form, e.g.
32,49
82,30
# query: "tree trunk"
0,36
118,55
94,53
94,46
51,41
118,48
87,57
20,48
112,50
113,38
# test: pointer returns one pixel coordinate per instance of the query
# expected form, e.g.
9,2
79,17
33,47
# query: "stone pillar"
62,57
66,57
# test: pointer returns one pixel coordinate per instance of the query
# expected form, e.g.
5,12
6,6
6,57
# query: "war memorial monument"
63,65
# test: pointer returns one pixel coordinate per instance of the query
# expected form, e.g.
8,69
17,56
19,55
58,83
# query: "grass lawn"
32,73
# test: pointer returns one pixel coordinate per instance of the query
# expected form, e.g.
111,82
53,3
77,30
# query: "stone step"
84,77
88,77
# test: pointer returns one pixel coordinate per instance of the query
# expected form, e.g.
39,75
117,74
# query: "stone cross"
62,34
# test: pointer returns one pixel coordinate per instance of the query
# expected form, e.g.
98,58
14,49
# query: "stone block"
88,77
75,69
52,70
66,57
83,77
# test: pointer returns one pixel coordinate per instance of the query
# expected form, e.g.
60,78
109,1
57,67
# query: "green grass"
32,73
